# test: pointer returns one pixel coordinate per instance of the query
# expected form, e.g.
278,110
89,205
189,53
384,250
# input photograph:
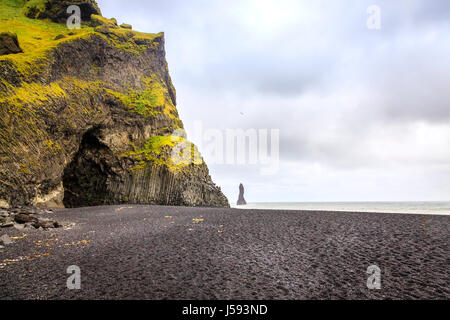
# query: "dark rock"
43,224
9,43
241,201
59,36
56,10
46,224
24,218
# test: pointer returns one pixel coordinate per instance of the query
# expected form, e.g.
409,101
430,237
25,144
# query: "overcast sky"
363,114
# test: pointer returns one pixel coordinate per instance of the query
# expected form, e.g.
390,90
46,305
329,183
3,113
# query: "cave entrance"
85,178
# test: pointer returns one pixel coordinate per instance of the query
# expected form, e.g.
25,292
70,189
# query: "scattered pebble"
5,239
19,226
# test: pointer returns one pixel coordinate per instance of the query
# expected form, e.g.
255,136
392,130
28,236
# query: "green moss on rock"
98,20
171,151
152,100
126,26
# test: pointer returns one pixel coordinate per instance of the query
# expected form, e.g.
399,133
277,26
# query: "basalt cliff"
88,116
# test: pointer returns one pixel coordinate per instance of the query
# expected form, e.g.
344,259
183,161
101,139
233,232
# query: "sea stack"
241,201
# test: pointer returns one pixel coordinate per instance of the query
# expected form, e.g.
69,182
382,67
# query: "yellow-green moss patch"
36,37
174,152
154,99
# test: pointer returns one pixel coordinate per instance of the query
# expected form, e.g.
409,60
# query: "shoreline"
356,207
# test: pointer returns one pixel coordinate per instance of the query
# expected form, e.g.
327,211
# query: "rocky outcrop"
56,10
9,43
241,201
126,26
87,117
26,217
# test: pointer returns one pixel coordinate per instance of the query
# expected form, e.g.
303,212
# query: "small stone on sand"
5,239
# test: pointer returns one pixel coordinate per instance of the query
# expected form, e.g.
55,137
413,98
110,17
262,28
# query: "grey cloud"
332,86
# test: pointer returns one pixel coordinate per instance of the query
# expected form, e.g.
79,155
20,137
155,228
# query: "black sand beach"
156,252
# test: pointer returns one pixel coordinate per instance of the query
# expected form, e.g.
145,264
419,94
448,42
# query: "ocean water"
439,208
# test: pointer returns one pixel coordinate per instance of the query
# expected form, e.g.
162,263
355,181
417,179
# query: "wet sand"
156,252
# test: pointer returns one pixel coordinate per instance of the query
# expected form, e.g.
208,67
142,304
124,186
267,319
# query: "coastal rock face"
241,201
88,116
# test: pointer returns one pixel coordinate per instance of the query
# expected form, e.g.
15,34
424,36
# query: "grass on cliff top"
38,4
37,37
171,151
125,39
